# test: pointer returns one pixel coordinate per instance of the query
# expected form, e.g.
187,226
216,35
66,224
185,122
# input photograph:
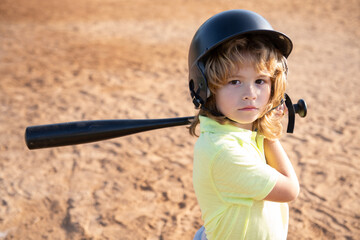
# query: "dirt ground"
65,60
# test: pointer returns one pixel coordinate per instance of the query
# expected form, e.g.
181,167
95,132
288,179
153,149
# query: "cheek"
268,95
219,101
222,99
265,95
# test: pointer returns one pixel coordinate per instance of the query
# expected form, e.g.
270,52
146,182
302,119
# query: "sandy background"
76,60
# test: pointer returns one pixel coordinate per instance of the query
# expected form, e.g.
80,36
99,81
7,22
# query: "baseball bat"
71,133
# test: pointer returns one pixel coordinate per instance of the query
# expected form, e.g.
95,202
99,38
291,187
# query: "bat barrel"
63,134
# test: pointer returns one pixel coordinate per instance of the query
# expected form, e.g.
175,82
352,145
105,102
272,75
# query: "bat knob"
301,108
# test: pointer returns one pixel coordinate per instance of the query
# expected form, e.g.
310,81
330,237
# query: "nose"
249,93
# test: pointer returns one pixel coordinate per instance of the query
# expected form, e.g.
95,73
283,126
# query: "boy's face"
244,96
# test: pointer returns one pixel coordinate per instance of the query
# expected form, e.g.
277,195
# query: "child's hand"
281,110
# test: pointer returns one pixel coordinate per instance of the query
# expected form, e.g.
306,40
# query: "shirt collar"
210,125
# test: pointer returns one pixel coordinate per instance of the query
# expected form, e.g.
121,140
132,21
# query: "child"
242,176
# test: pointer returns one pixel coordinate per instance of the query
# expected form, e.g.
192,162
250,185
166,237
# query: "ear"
208,93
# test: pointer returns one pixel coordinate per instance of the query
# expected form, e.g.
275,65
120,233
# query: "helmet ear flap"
198,85
194,94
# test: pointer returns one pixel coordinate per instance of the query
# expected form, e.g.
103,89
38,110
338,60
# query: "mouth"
248,108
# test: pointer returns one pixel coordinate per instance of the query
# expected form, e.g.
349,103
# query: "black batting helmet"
218,29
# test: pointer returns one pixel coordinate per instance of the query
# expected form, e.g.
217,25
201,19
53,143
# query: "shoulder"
218,141
220,147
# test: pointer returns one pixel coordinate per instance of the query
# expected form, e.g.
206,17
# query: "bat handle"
301,108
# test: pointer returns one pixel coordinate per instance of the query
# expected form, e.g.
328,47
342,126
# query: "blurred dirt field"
65,60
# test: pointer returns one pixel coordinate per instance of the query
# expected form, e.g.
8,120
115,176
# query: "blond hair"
229,57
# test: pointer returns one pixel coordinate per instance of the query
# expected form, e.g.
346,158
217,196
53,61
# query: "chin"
245,121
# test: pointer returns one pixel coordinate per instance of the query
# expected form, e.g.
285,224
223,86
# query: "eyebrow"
240,76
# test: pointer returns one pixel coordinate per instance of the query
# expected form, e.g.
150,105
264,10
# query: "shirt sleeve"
237,175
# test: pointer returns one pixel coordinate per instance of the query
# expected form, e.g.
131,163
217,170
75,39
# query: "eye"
234,82
260,81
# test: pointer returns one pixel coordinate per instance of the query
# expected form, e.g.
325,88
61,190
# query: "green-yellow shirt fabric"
231,179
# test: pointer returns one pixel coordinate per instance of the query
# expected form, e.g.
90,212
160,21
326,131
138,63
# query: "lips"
248,108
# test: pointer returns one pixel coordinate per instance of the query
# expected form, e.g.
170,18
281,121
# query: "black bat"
71,133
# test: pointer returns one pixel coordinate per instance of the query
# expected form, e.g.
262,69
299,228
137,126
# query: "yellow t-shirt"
231,179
